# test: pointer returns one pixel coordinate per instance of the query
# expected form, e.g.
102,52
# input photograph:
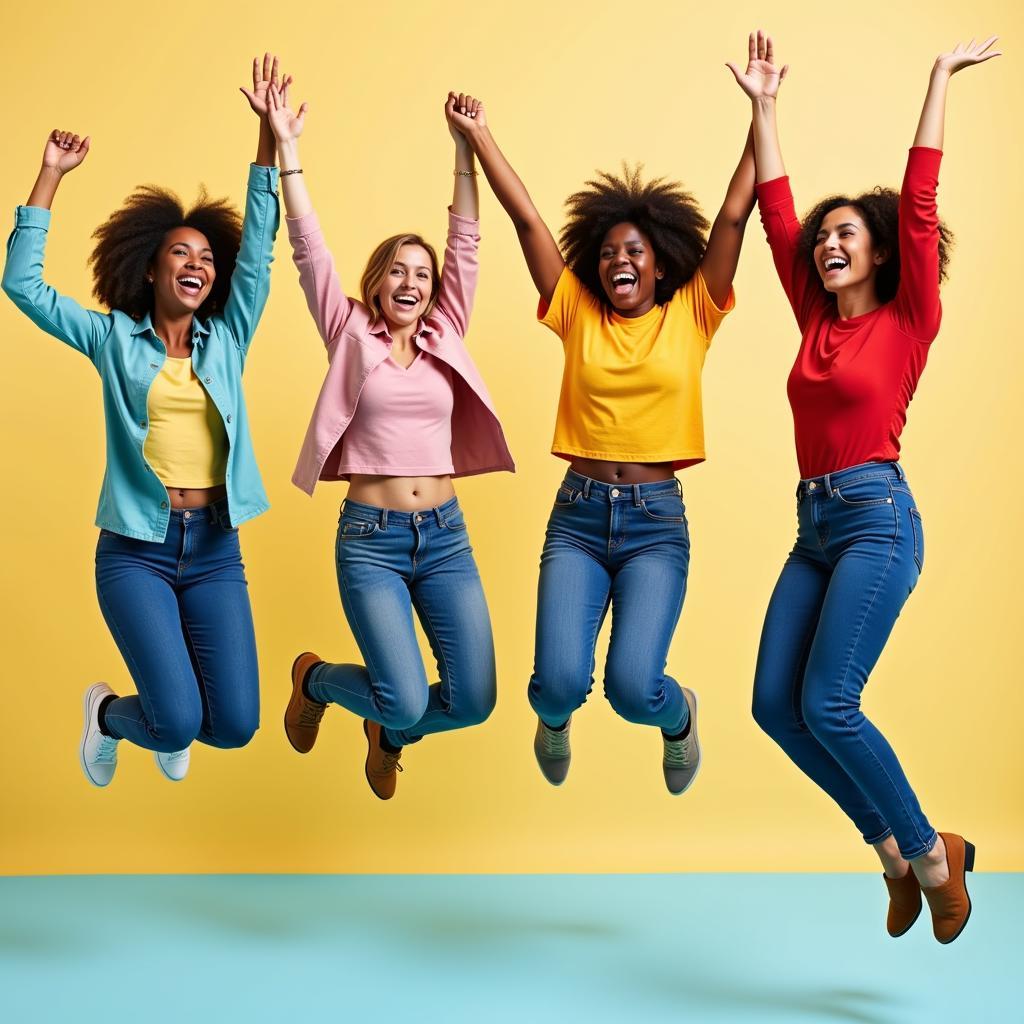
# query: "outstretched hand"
263,77
465,116
761,78
65,151
962,56
286,124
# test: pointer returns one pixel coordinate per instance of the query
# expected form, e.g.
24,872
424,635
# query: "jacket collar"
200,328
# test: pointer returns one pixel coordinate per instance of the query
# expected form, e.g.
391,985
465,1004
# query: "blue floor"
525,948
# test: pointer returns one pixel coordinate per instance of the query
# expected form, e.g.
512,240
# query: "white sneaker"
98,753
174,766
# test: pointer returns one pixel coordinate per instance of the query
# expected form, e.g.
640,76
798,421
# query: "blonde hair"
379,265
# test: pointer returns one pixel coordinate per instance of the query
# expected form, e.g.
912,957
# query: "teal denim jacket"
128,355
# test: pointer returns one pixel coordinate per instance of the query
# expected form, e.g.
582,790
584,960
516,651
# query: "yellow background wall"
568,88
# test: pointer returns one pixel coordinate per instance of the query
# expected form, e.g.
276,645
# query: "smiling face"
628,269
182,272
407,287
844,251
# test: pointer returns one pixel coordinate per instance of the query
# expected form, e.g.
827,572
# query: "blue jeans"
626,546
858,554
389,564
179,613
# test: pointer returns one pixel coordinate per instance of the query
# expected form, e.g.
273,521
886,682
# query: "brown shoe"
302,716
904,903
949,902
382,766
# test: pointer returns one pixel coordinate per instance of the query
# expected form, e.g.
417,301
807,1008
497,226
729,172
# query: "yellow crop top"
631,386
186,445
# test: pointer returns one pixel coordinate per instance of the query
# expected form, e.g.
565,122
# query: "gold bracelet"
466,174
296,170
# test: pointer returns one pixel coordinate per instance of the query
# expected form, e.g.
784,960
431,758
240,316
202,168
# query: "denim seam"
200,678
846,674
130,662
364,649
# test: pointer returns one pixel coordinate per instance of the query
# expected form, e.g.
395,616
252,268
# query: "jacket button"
142,423
163,504
209,380
229,417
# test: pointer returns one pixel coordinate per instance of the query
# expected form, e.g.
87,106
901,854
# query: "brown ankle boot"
302,716
950,903
904,903
382,765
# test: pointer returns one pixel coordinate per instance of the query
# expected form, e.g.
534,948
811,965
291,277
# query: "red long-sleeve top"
853,379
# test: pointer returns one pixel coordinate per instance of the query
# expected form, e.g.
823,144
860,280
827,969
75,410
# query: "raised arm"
466,195
761,82
23,282
543,257
250,280
329,306
933,114
917,306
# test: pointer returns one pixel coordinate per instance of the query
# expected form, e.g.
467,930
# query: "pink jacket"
355,346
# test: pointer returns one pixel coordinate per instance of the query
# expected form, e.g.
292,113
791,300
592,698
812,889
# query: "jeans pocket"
455,520
862,493
664,508
566,496
917,528
355,529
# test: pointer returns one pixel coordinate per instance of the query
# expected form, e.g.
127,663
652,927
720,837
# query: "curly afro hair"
129,239
880,211
666,214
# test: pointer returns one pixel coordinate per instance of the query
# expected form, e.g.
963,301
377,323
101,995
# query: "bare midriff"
400,493
623,472
195,497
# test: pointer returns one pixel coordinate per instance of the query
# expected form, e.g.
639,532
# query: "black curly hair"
666,214
880,211
129,239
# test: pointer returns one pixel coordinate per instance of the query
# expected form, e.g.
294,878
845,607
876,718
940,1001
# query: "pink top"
356,347
402,425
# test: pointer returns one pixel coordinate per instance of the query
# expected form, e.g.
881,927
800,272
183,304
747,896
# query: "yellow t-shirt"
186,445
631,387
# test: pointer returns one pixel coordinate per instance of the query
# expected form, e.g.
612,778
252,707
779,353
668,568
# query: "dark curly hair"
666,214
880,211
129,239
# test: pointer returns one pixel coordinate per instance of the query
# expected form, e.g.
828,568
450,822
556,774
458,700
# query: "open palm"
962,56
286,124
762,77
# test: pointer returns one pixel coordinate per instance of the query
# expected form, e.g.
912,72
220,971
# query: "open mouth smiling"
623,282
835,264
409,301
190,284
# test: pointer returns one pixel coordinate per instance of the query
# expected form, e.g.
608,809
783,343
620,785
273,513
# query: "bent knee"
231,735
401,713
555,695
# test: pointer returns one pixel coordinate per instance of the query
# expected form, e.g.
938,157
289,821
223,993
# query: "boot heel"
968,856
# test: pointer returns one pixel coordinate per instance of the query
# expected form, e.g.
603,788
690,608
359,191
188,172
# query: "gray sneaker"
682,757
553,754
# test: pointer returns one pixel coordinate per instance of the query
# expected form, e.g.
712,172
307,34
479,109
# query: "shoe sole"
85,736
289,704
968,866
169,778
896,935
366,763
696,740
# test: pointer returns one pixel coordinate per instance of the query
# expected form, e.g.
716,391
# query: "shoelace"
106,752
178,755
311,713
389,763
676,752
556,742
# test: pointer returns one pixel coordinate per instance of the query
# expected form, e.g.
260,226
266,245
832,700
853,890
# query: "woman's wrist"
288,155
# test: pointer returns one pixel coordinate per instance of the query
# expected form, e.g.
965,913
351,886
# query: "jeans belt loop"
679,486
586,488
438,516
383,519
636,495
827,480
899,471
